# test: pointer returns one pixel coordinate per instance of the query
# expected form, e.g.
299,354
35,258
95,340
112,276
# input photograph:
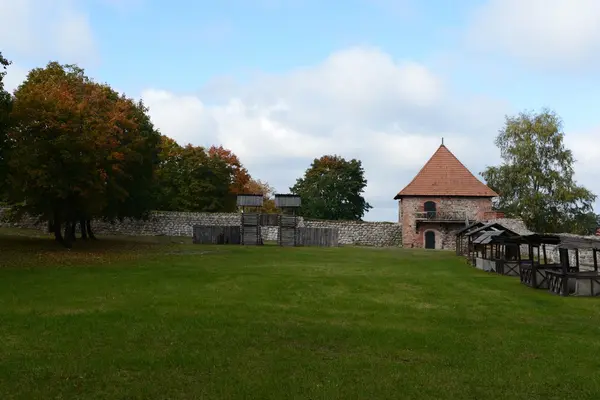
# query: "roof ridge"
426,163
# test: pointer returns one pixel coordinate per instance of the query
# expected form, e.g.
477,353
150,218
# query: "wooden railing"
441,216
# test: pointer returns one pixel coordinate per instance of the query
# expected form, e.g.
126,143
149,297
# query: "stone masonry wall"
473,208
362,233
181,224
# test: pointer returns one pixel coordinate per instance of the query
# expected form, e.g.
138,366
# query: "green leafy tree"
535,180
586,223
5,108
131,195
191,179
332,188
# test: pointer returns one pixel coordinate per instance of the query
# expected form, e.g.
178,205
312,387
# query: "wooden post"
545,256
595,259
469,249
533,268
577,259
565,269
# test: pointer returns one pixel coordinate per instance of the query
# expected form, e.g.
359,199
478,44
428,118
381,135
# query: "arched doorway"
430,240
429,208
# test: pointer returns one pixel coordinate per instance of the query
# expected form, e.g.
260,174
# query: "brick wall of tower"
474,208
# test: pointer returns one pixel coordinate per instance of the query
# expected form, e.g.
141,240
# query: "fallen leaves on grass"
18,251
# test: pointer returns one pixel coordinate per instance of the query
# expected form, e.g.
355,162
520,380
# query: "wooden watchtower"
288,221
250,221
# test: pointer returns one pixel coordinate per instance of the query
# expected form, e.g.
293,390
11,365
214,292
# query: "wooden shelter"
462,241
250,218
572,280
475,250
288,221
505,252
489,251
534,267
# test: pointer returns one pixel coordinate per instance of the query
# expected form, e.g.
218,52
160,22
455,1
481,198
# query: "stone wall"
362,233
473,208
181,224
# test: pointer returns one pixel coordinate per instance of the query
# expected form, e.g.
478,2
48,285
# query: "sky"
282,82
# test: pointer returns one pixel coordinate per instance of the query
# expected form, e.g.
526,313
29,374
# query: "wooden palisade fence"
324,237
251,223
216,234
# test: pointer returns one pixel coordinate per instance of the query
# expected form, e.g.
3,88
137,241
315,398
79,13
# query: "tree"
535,180
190,179
166,188
586,223
5,109
80,150
131,196
241,178
331,189
256,186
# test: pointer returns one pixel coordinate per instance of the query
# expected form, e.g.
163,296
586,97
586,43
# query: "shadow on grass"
31,248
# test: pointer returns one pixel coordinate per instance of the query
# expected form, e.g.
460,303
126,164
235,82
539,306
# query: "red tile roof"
445,175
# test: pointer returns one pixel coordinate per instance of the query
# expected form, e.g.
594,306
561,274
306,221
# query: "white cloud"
42,30
359,102
541,32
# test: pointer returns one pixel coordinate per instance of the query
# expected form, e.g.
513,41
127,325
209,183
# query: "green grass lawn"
157,319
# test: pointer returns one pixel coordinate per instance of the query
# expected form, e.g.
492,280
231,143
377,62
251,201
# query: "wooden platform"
288,230
250,229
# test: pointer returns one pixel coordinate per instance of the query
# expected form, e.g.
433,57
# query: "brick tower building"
442,198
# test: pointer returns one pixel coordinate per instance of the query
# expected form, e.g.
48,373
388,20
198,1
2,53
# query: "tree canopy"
79,149
535,180
73,150
332,188
191,179
5,108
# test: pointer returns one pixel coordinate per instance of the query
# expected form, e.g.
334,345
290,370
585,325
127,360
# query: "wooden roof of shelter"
534,239
488,237
570,242
250,200
491,226
469,227
445,175
287,201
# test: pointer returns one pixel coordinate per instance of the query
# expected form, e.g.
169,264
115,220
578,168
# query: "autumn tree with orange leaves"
80,151
242,182
256,186
240,178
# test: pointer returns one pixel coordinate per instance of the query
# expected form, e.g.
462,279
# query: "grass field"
157,319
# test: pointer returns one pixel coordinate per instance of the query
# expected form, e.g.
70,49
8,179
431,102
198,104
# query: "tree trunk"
89,229
56,227
83,226
67,237
73,231
57,233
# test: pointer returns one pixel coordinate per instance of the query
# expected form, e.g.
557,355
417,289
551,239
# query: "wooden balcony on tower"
442,216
